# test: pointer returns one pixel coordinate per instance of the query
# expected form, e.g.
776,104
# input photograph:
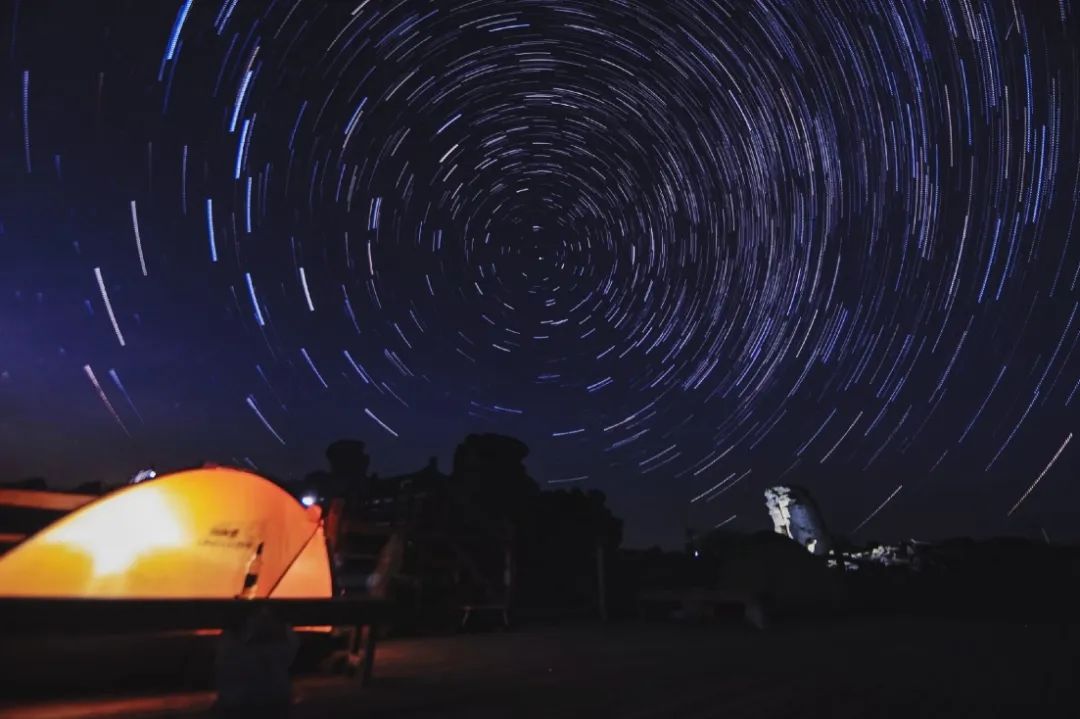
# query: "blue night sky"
684,250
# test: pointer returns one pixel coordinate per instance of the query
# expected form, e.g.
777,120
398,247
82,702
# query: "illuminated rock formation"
795,515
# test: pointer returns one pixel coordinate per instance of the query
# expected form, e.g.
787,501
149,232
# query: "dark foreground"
863,668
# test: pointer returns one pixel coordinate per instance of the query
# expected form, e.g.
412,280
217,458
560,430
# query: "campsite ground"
857,668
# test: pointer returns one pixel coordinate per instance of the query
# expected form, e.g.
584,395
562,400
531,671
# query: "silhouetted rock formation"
423,480
348,476
482,535
35,483
490,474
94,487
323,484
776,569
558,542
1003,577
348,459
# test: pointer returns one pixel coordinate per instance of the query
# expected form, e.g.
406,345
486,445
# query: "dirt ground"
858,668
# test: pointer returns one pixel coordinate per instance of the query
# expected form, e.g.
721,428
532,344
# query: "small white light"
307,500
143,475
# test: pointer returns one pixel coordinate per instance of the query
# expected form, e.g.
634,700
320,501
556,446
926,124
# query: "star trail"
685,250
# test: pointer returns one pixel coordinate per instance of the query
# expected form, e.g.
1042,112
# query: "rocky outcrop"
795,515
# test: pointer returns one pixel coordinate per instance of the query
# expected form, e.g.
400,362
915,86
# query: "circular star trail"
685,250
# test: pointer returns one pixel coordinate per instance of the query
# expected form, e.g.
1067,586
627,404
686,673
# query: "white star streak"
104,398
266,423
138,237
1041,475
108,306
378,421
880,507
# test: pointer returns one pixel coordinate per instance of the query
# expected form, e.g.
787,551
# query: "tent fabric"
309,575
191,534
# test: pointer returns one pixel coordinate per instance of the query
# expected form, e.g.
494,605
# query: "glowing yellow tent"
211,533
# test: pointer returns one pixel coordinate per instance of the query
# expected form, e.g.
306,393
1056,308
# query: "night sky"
684,249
